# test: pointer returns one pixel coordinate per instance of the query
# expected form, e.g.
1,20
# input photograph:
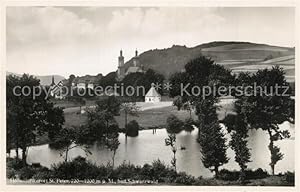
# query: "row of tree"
257,111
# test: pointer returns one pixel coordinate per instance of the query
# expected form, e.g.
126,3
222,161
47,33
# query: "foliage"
132,128
171,141
188,125
236,124
211,138
112,143
69,138
268,108
29,116
129,108
178,102
227,175
108,80
290,177
143,80
174,125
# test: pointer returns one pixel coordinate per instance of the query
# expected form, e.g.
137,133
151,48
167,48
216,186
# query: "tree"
174,125
178,102
268,106
29,116
132,128
237,126
108,80
129,108
143,79
211,138
112,143
171,141
108,108
69,138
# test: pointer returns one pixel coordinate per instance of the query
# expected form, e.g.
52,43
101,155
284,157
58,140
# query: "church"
122,71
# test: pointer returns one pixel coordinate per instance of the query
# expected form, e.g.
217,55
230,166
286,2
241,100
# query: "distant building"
152,95
55,89
122,71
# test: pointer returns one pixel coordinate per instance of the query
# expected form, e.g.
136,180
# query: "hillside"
237,56
44,80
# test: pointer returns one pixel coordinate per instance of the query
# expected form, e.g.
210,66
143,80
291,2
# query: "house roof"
152,92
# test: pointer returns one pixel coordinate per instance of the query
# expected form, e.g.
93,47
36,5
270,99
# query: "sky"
87,40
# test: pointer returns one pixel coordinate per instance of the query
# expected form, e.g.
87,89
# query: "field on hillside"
149,118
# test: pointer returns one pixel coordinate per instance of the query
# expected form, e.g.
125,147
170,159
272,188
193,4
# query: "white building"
152,95
81,85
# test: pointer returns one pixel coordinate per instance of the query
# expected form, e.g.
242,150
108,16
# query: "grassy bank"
157,173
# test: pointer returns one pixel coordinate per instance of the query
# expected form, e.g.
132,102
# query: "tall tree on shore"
112,143
211,137
237,126
268,106
30,114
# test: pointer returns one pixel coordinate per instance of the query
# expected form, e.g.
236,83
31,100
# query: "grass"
149,118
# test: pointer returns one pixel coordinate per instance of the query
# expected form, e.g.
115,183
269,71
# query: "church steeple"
52,83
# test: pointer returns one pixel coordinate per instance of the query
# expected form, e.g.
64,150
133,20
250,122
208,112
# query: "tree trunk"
273,169
66,158
113,159
125,124
24,156
271,145
242,176
216,172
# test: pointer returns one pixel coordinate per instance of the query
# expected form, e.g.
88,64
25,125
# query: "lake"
148,147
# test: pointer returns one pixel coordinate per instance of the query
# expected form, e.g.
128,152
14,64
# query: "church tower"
121,70
136,59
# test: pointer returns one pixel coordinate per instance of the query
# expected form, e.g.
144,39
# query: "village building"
152,95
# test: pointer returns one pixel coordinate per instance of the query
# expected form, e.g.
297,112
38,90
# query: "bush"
79,168
132,128
27,173
174,125
11,173
14,163
43,174
290,177
188,125
127,171
184,179
227,175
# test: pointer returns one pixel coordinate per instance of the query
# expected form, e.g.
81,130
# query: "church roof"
133,70
152,92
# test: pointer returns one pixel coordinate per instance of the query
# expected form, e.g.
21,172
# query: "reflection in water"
148,147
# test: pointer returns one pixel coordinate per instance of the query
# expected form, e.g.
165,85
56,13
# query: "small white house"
152,95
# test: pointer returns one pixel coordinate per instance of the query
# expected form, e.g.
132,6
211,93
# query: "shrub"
14,163
43,174
290,177
184,179
174,125
188,125
127,171
11,173
132,128
227,175
27,173
79,168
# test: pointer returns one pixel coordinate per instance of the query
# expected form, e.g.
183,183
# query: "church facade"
135,68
